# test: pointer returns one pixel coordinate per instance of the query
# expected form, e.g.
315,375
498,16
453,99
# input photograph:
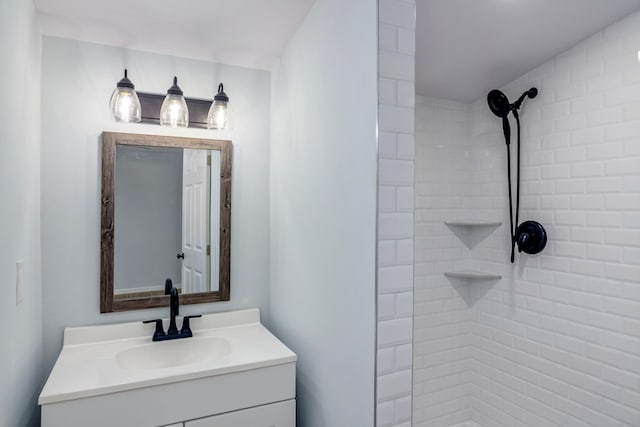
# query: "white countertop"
87,364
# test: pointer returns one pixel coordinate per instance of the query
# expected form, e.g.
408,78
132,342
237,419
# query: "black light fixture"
174,111
218,117
124,103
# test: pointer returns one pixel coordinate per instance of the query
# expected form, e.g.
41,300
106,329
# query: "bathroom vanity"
233,372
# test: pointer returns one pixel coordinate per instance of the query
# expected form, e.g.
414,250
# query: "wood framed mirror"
166,214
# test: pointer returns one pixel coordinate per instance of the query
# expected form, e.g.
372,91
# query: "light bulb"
218,117
125,105
174,111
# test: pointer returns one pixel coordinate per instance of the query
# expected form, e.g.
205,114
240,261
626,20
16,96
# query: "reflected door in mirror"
200,217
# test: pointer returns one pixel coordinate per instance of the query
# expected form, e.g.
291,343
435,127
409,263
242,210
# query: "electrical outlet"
19,281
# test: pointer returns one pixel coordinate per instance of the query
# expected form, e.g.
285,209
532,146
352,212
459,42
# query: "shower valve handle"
522,241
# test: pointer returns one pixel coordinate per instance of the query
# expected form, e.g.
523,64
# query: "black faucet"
174,310
174,306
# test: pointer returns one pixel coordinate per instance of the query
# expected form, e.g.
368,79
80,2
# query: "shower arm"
516,105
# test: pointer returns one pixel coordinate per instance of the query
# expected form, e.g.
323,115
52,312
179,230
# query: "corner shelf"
473,223
472,274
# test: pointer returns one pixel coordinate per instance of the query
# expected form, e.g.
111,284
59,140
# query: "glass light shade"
174,111
218,117
124,103
219,112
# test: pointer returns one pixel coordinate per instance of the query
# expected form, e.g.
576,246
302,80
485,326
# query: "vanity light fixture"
174,111
218,117
125,105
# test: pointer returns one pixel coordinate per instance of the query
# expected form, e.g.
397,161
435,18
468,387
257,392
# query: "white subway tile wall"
556,342
442,328
396,150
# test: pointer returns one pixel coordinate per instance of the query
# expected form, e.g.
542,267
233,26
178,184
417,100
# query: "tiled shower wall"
556,342
442,332
395,211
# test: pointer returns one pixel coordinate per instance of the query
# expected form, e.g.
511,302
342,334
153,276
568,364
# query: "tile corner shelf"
473,223
472,274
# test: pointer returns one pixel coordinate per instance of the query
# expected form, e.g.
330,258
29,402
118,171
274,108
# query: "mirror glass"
166,214
167,220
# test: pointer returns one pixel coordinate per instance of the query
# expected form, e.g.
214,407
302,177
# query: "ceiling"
250,33
464,48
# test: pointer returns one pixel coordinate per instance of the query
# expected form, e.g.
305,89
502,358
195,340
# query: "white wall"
323,210
396,44
148,217
556,342
78,79
20,326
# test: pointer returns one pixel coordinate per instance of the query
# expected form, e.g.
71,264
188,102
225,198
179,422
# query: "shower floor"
467,424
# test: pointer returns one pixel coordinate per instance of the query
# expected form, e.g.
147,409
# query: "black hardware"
168,285
159,332
186,327
125,82
500,106
175,89
174,307
179,256
531,237
221,96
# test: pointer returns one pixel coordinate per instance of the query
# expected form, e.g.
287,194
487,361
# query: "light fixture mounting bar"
151,103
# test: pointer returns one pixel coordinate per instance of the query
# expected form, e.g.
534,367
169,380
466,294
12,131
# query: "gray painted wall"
78,79
323,211
20,326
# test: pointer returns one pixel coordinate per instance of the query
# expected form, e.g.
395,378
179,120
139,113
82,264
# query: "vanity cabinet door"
281,414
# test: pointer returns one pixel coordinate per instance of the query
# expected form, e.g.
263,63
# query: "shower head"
500,106
499,103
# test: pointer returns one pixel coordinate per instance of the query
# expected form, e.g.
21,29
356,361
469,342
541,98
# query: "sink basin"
171,354
108,359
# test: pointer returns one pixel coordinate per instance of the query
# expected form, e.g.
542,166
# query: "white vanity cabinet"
232,373
281,414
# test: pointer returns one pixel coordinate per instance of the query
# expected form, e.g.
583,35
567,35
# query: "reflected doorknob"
180,255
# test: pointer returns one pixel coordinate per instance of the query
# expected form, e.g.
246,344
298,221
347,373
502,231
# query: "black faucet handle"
159,332
186,327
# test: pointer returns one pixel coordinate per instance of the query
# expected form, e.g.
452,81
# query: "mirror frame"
110,140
